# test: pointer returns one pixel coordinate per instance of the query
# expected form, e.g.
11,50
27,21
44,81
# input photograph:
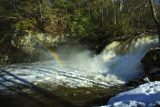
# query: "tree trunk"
88,9
155,17
40,11
121,5
114,13
103,12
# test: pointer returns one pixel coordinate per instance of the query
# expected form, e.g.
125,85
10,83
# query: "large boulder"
151,64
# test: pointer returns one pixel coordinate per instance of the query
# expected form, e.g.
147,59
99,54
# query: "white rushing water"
117,64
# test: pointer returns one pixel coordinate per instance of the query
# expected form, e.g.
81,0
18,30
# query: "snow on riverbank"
146,95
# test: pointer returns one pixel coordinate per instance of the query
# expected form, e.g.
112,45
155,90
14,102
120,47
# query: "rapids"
118,63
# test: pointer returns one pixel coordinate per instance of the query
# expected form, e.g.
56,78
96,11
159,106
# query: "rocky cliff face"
28,48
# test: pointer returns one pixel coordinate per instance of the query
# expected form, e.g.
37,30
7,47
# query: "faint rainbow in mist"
49,51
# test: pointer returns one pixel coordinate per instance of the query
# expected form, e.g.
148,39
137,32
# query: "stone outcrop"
29,48
151,64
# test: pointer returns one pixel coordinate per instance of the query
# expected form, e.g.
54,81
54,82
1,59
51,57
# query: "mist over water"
118,63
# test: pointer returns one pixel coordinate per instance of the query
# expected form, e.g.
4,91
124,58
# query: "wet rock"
154,76
151,61
135,82
151,64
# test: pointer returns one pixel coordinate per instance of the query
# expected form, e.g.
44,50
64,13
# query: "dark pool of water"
60,96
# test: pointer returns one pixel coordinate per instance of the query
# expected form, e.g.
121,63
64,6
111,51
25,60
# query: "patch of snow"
146,95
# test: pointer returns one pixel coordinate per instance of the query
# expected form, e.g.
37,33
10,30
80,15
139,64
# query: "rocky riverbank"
28,47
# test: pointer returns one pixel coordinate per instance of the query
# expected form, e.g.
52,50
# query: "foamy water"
117,64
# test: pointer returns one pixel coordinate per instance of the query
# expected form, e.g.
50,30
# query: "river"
77,77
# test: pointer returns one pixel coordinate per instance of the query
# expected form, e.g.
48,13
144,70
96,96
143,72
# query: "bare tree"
154,14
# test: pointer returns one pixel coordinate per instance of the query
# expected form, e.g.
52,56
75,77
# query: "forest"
91,23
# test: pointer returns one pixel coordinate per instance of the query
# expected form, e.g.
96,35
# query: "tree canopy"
99,21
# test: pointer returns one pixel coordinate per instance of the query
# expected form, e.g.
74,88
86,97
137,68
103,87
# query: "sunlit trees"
92,21
22,14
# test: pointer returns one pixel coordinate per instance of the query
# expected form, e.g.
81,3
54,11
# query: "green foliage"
90,20
23,14
22,25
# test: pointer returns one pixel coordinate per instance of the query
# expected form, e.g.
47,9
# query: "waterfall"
118,63
125,57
